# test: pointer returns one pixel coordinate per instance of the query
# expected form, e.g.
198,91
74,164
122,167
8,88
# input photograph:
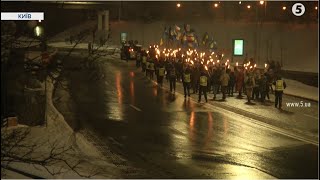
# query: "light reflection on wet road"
177,138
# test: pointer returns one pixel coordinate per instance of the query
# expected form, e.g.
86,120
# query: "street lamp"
239,2
38,31
248,6
178,5
215,5
316,8
284,8
261,2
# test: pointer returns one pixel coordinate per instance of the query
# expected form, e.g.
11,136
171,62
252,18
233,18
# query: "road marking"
136,108
257,122
267,126
310,116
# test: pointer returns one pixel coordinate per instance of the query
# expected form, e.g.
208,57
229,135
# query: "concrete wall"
294,44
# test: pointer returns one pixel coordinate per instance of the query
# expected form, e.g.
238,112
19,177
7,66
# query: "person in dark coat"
179,70
215,82
269,84
195,79
168,67
263,87
172,79
239,82
231,83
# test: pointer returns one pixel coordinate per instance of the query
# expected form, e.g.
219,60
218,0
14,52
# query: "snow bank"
83,46
299,89
59,133
73,31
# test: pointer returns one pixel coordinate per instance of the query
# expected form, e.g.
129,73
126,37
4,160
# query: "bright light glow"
37,31
248,6
316,8
261,2
238,47
215,4
236,63
239,2
284,8
178,5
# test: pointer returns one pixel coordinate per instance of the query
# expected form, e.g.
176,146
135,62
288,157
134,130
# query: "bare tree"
16,146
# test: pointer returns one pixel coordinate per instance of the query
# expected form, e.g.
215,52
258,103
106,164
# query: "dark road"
170,137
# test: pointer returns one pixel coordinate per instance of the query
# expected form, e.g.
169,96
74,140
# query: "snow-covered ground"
59,133
62,36
83,46
299,89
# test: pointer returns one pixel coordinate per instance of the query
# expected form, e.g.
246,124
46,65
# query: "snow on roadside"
299,89
58,132
81,46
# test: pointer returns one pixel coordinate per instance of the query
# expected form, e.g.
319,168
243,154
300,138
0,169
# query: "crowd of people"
206,72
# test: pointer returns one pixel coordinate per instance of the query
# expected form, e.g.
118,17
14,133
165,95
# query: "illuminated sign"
123,37
238,47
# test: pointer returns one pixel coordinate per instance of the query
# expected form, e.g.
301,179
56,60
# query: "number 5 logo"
298,9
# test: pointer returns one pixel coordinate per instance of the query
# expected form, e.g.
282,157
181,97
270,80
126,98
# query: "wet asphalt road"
170,137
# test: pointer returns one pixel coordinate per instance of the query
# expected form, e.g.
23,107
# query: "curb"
296,96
